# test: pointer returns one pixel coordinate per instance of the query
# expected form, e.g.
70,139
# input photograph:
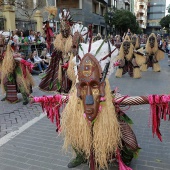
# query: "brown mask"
89,88
134,40
77,38
126,47
152,41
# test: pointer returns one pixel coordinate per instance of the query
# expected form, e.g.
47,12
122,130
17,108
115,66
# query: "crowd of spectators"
32,46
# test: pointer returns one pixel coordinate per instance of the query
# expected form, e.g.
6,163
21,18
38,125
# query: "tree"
165,21
123,19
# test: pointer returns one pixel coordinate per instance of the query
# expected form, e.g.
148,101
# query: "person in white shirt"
37,60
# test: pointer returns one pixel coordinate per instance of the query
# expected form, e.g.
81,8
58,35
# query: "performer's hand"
65,65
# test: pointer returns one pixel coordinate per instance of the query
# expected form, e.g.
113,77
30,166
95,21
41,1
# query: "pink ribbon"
51,105
159,108
122,166
25,64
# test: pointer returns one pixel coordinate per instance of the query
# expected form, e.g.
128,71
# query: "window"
67,3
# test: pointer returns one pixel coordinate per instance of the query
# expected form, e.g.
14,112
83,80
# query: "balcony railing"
142,3
141,18
142,26
141,11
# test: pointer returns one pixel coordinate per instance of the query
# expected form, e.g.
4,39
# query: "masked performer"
56,78
153,54
135,41
129,61
2,44
16,77
2,49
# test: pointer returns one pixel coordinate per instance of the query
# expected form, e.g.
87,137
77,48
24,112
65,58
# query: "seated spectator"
37,63
38,59
45,56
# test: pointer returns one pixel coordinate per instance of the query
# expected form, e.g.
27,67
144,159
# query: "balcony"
141,18
127,2
141,11
142,26
141,3
141,0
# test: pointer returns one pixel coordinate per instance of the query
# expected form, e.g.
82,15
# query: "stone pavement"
40,148
13,116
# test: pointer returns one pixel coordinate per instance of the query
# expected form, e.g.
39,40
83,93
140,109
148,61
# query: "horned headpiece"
66,20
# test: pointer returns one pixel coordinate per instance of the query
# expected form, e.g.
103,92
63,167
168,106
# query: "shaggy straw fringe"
122,55
8,66
150,50
70,70
0,70
51,10
119,72
25,82
60,72
140,59
159,55
137,45
77,130
136,73
130,54
156,67
144,67
63,44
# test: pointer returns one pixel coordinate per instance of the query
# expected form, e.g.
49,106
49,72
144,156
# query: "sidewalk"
13,116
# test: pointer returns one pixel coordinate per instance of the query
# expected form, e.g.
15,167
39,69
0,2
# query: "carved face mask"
151,41
77,38
89,88
134,41
126,47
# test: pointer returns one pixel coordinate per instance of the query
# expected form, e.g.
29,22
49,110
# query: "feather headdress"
52,10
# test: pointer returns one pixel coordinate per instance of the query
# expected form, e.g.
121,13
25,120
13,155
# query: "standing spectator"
24,43
41,44
129,33
32,40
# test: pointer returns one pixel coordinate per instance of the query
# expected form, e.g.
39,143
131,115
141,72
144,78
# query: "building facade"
156,11
121,4
86,12
140,10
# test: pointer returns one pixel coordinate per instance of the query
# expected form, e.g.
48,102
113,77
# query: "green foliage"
165,21
123,19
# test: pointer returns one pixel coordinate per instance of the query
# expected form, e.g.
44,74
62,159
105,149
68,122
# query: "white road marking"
12,135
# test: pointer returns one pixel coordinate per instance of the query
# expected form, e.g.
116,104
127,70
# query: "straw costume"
153,54
135,41
91,123
129,61
16,77
56,78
